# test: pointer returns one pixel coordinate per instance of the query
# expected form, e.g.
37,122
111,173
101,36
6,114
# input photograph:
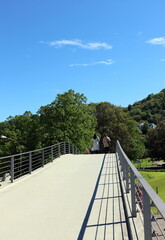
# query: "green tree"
68,118
119,126
145,128
161,139
22,132
149,109
156,140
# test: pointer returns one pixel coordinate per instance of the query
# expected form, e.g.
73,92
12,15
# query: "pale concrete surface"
52,203
136,223
107,219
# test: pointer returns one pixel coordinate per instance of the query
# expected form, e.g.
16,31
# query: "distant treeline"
70,118
150,109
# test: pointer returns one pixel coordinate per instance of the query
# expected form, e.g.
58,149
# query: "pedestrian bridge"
76,197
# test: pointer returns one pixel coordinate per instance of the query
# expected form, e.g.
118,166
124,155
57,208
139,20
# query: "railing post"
144,197
147,216
121,161
51,153
30,162
72,149
133,193
59,153
12,169
64,148
69,148
124,167
127,177
43,158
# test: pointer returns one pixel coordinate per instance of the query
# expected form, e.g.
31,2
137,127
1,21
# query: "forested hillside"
150,109
70,118
147,111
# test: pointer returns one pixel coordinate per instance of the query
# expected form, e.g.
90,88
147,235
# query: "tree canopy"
150,109
156,141
119,126
70,118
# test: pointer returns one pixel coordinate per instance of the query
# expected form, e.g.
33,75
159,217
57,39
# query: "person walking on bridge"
106,143
96,144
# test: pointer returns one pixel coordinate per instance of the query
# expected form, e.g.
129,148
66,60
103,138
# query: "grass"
156,180
143,163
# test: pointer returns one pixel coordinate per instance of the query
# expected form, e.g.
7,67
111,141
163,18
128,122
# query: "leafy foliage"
156,140
70,118
119,126
150,109
22,134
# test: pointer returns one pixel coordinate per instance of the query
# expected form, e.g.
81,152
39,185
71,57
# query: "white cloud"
56,90
106,62
95,45
79,43
162,60
157,41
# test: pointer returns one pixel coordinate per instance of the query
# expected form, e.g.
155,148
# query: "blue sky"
109,50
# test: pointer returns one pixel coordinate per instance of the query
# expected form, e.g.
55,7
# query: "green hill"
151,109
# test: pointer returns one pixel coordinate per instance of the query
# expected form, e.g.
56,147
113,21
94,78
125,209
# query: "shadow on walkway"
105,218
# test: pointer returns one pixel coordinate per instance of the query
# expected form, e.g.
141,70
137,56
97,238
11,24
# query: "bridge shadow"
105,217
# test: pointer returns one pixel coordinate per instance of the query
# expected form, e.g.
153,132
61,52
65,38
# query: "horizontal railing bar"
159,204
20,164
40,149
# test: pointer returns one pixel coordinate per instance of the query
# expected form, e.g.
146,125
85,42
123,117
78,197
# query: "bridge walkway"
75,197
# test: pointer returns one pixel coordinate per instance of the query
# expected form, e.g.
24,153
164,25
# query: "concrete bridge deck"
75,197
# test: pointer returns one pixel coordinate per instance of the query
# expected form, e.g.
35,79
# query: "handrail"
148,195
18,154
17,165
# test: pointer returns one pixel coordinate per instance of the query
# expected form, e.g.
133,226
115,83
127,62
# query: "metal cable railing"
17,165
143,197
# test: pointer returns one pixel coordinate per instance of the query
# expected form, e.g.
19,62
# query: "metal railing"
17,165
144,196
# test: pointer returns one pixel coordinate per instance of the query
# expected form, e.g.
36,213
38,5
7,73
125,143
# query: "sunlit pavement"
75,197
